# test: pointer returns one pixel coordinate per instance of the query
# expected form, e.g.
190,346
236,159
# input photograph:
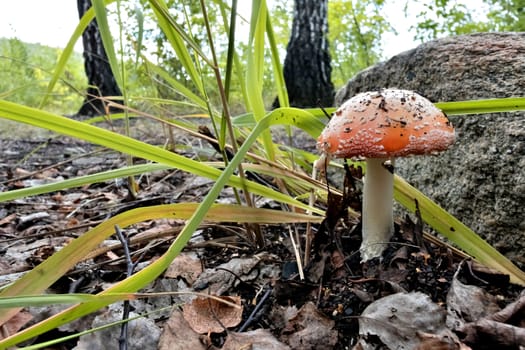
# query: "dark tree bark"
307,69
98,71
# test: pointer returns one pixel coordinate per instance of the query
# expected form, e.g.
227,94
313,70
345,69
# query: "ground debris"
395,319
259,339
504,329
324,311
222,278
309,329
143,332
209,315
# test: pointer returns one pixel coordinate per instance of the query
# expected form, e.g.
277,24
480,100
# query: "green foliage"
507,15
154,44
355,30
25,70
440,18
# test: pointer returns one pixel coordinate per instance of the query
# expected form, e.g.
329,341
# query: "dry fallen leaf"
310,329
187,266
395,319
220,279
444,341
259,339
15,324
205,315
468,303
178,335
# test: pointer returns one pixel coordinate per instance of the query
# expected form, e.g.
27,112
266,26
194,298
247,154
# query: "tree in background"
101,81
307,69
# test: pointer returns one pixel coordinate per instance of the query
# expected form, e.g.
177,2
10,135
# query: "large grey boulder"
481,179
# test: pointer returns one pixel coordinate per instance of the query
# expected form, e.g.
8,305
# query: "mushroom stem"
378,222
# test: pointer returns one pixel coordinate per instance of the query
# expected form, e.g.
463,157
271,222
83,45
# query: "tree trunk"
307,69
101,81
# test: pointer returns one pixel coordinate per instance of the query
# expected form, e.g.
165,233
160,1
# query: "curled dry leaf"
494,334
501,329
207,315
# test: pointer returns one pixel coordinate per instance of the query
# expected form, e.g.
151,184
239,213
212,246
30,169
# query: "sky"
52,23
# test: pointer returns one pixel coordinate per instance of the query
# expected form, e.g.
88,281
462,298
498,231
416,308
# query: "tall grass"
258,152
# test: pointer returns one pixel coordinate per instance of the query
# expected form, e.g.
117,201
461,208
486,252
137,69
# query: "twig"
123,339
261,302
297,253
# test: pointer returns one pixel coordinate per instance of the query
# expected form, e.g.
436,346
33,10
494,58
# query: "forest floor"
422,295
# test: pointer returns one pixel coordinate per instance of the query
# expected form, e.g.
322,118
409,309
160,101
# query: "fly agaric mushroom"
379,126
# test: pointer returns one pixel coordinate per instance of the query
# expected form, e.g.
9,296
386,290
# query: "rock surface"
481,179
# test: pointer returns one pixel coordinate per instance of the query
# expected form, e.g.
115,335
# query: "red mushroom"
379,126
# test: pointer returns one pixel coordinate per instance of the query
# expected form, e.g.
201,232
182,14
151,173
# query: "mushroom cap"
386,123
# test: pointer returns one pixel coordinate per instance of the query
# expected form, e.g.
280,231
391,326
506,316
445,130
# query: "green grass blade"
18,301
140,32
136,148
496,105
232,60
282,92
300,118
68,50
178,40
256,39
81,181
107,40
255,69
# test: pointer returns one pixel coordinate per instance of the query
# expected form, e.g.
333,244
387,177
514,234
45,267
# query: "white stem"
378,222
